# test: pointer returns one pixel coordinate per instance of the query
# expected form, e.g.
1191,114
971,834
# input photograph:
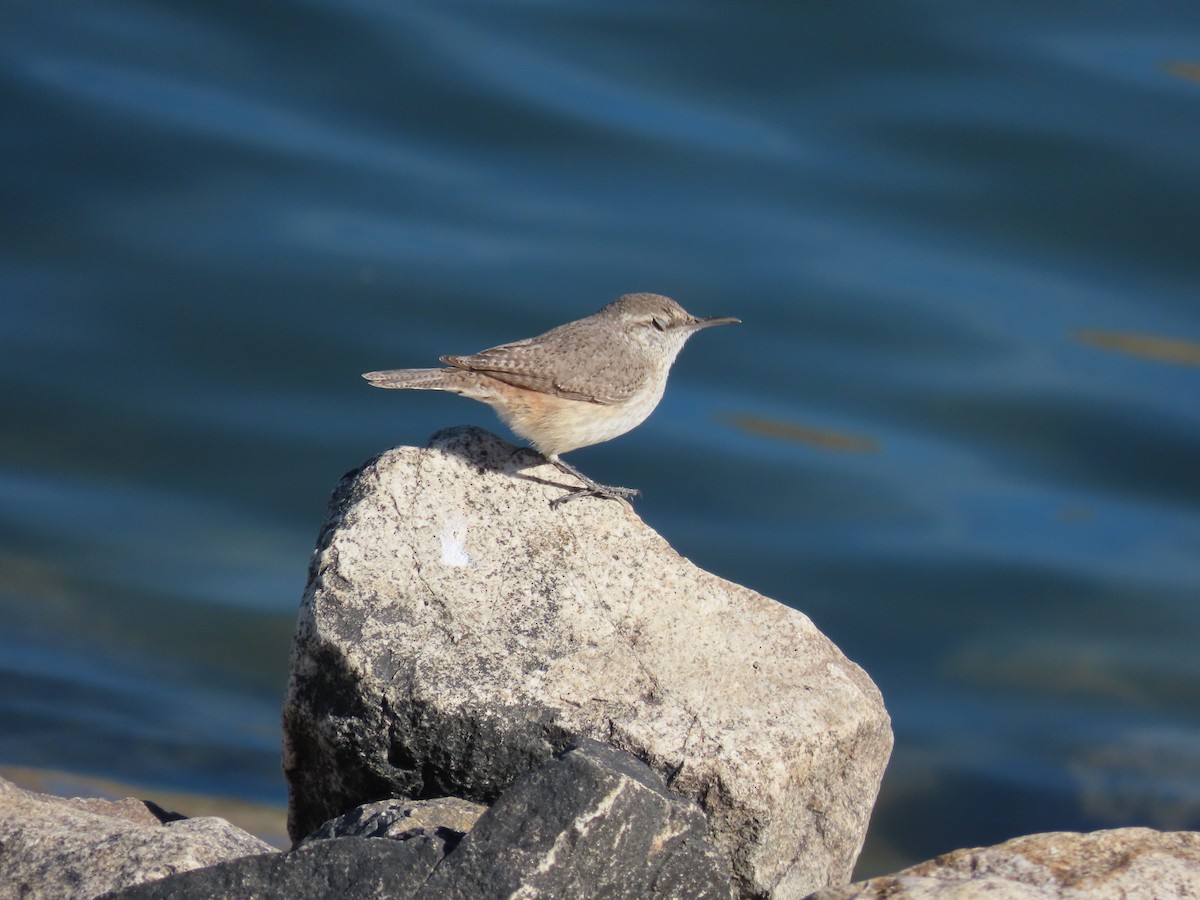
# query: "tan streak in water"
801,434
1171,350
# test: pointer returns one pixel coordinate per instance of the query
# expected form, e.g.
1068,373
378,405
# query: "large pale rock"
457,632
1131,863
59,847
593,822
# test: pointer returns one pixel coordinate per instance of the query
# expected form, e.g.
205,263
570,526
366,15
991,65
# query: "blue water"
960,427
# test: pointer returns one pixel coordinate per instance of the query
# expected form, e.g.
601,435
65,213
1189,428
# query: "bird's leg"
591,488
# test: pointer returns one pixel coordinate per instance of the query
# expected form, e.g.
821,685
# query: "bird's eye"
659,324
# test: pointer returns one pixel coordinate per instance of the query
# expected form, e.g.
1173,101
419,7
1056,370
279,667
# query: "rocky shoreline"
490,698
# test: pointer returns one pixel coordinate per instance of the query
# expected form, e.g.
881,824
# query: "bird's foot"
607,491
590,488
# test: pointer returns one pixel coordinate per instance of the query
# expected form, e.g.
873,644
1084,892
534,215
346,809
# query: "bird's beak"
697,324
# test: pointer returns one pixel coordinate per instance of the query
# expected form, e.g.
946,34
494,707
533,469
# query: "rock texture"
1130,863
444,820
457,632
347,868
57,847
592,823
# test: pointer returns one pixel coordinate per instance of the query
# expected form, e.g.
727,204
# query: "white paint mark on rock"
454,538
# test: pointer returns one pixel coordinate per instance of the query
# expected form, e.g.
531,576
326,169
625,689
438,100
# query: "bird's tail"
419,379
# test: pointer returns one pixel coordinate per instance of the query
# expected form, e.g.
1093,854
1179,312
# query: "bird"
582,383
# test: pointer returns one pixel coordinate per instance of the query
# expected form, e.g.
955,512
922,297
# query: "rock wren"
576,385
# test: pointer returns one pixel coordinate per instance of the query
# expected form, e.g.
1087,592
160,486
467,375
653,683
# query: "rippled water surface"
960,427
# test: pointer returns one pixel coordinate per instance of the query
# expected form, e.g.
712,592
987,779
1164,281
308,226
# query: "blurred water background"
960,427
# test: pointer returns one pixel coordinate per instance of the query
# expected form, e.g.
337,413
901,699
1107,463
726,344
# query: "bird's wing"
558,363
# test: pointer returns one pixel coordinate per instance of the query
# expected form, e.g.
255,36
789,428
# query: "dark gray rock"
457,632
343,868
594,822
444,820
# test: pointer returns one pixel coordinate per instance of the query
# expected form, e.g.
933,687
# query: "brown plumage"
576,385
